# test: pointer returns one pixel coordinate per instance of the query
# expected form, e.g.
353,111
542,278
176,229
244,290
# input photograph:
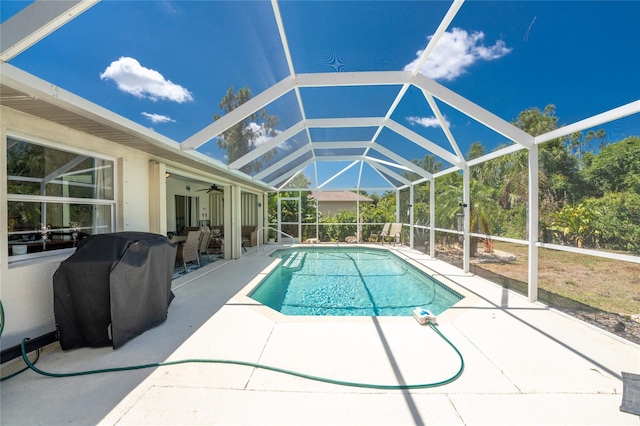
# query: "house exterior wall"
26,287
334,207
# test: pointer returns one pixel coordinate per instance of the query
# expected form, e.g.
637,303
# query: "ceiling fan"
212,188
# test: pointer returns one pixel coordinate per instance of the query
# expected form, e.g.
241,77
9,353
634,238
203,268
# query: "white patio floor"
524,364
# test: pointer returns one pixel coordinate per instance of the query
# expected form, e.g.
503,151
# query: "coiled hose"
255,365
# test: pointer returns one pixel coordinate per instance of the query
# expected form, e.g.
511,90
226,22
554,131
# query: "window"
55,198
186,212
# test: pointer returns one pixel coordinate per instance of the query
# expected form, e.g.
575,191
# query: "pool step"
294,261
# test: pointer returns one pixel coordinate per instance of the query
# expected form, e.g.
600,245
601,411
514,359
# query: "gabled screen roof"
355,88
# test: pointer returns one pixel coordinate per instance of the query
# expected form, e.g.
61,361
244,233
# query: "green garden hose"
1,318
23,349
255,365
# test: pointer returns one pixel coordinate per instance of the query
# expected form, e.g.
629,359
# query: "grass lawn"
601,291
563,278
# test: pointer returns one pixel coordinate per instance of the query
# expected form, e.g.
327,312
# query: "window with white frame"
55,197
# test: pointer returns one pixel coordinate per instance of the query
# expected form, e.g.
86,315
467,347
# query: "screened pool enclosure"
428,105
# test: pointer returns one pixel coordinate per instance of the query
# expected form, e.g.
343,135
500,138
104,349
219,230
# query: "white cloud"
133,78
455,52
262,136
157,118
427,121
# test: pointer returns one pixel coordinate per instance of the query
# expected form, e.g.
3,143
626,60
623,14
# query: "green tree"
476,150
242,137
484,210
616,168
536,122
618,225
448,193
559,180
429,163
299,181
579,142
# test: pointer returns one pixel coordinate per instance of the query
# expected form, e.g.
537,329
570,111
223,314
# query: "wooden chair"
188,251
203,247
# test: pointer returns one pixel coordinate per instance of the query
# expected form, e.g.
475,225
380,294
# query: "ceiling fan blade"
212,188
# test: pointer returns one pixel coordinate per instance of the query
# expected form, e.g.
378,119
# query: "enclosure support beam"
533,224
35,22
432,217
411,216
358,223
466,204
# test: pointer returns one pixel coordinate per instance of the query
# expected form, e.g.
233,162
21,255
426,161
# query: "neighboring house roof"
339,196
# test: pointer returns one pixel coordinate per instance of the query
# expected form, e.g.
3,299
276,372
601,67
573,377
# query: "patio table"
178,239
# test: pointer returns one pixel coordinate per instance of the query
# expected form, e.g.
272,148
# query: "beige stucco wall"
26,288
334,207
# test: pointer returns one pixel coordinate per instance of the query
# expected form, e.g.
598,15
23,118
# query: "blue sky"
167,64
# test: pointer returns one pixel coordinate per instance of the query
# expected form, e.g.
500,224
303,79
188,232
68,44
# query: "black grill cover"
120,280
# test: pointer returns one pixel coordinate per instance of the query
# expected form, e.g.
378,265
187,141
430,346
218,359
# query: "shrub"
619,222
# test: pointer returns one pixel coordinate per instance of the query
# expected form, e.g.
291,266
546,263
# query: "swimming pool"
350,281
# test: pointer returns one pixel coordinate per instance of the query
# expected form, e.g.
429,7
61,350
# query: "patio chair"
188,251
249,236
186,229
395,232
216,243
203,247
375,235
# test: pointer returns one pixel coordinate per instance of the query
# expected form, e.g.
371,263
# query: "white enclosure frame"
41,18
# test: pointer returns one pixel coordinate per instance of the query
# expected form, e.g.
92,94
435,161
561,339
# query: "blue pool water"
350,281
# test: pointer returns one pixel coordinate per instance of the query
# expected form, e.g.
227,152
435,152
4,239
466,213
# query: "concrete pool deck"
524,364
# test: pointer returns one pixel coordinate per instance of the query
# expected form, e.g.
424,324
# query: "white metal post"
358,233
432,217
265,217
299,216
411,216
467,219
317,211
279,235
533,223
397,205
